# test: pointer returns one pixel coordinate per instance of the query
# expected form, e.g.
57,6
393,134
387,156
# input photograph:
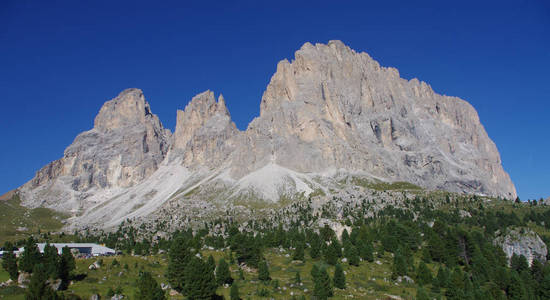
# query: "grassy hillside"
18,222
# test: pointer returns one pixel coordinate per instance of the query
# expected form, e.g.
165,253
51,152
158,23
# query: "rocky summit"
329,114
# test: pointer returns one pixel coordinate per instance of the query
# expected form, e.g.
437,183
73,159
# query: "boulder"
522,241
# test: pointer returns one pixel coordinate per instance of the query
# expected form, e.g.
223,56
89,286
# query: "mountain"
328,117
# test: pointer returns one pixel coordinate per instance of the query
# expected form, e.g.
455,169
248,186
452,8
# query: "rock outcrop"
125,146
203,132
333,108
330,111
522,241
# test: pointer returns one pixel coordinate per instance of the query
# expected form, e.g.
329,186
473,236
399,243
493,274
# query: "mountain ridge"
331,110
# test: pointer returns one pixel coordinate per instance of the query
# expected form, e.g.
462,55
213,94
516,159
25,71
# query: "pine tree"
322,285
178,257
50,259
30,256
366,251
351,254
516,289
223,275
399,267
315,246
423,274
66,265
148,288
442,278
519,263
331,254
299,252
211,263
38,288
339,277
263,271
9,261
234,292
200,283
421,294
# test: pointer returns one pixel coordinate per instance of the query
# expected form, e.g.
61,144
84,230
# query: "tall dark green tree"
351,253
519,263
200,283
399,267
211,262
223,275
30,256
315,246
421,294
178,258
9,261
366,251
299,252
423,274
263,271
66,265
339,278
38,288
322,285
50,259
148,288
331,254
516,289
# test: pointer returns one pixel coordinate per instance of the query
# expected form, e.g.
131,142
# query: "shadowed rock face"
329,109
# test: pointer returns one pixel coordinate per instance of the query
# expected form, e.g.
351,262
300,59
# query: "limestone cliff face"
125,146
330,109
333,108
203,132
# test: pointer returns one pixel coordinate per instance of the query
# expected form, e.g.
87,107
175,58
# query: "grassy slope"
17,222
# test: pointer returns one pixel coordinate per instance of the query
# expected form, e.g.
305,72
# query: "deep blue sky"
59,61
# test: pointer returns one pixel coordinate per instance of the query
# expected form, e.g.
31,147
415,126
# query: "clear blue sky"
60,61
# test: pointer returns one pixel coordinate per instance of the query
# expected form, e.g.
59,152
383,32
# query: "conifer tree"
322,285
38,288
211,263
421,294
200,283
331,254
234,292
339,277
178,258
50,259
516,289
399,267
30,256
315,246
66,265
351,254
366,251
148,288
223,275
423,274
263,271
299,252
9,261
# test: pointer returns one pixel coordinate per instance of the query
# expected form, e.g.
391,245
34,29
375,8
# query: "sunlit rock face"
329,110
334,108
125,146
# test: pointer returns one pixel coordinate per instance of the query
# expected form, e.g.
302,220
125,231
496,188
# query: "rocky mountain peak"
127,109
